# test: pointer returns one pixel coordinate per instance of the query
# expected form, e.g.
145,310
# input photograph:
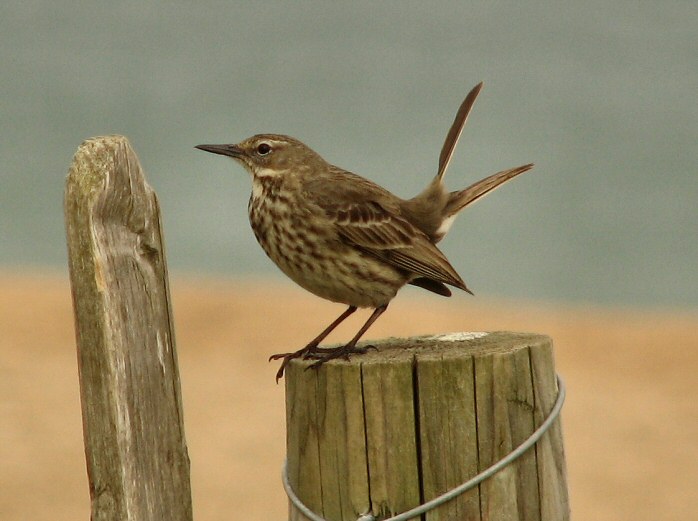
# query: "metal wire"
451,494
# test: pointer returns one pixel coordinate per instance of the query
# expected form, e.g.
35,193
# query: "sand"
630,422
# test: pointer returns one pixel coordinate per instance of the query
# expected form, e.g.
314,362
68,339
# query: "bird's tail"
434,209
462,198
455,131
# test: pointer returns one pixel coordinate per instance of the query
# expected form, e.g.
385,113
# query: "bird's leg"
350,348
312,347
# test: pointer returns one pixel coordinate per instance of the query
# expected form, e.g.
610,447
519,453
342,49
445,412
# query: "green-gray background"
600,95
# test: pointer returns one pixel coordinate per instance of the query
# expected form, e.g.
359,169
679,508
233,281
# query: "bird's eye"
263,149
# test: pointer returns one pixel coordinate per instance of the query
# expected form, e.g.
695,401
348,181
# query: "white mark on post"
457,337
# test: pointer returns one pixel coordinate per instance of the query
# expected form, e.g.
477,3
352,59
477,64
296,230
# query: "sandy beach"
630,422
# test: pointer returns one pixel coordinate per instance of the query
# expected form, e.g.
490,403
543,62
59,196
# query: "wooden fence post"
391,429
136,454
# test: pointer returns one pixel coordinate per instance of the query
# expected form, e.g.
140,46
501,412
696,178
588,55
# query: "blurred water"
601,96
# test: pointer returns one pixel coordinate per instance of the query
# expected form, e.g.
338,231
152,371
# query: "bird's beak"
223,150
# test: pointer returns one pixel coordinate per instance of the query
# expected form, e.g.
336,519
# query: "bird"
346,239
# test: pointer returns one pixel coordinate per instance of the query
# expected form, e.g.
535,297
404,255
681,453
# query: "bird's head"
269,154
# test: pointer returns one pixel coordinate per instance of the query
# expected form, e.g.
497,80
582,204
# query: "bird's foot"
287,357
319,354
306,352
344,352
318,351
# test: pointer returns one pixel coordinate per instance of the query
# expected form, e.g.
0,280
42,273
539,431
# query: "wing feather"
368,217
390,237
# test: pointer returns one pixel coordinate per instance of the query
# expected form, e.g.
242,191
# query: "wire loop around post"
451,494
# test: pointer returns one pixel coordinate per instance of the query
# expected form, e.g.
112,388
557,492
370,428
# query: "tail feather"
456,129
462,198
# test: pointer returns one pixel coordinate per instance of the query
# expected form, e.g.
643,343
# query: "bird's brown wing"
370,227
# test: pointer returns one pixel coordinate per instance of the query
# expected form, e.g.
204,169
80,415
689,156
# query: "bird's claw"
343,352
304,353
320,355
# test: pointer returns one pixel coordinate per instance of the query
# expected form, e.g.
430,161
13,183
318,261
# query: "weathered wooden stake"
137,460
391,429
